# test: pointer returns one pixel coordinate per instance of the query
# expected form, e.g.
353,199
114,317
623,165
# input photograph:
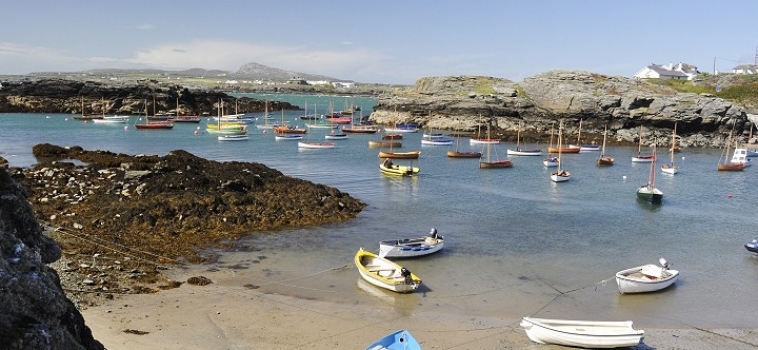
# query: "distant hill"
259,71
249,71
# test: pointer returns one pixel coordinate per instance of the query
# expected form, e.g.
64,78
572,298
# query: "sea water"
515,242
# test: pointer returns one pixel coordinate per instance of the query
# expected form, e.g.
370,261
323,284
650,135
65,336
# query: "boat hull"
669,169
634,280
604,161
400,155
731,167
384,273
562,176
315,145
410,247
399,340
564,150
643,159
240,137
653,195
484,141
373,143
456,154
398,170
752,246
336,137
496,164
518,152
288,137
583,334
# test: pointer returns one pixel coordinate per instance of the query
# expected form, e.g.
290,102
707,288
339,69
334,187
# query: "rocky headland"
121,218
90,97
471,102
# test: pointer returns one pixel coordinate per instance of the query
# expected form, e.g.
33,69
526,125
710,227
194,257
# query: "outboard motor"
407,274
664,263
433,233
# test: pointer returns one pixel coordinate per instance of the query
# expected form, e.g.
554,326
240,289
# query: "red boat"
155,125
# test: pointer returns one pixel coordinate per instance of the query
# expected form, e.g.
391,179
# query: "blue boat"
399,340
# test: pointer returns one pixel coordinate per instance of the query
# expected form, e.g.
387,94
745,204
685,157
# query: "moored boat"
384,273
400,155
582,334
385,143
315,145
233,137
646,278
387,167
288,137
398,340
752,246
648,192
412,247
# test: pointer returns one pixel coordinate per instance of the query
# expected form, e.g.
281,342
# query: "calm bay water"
516,243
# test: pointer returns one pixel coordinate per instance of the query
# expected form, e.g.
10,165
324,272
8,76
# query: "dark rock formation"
172,205
65,96
34,311
621,103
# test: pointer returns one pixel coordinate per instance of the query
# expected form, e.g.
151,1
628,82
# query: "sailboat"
561,175
640,158
489,163
280,133
648,191
483,140
583,148
154,125
560,149
313,144
266,118
185,118
225,127
670,168
360,128
110,119
86,117
604,159
522,152
392,154
727,165
458,154
551,160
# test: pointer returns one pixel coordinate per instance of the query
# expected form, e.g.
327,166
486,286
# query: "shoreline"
283,307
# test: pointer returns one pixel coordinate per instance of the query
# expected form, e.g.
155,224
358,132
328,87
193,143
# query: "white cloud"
145,26
229,55
347,43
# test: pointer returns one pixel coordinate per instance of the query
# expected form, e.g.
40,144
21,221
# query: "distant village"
684,71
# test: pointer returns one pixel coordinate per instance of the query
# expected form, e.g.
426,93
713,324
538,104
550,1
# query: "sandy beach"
271,303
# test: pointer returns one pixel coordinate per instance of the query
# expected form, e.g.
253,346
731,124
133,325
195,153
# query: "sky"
389,42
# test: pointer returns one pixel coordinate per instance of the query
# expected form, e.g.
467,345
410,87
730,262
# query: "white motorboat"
112,119
315,145
740,156
646,278
582,334
384,273
412,247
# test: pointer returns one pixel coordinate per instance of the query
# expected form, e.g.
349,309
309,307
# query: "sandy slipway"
117,216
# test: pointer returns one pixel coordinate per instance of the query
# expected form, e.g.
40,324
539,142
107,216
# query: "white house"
745,69
343,84
679,71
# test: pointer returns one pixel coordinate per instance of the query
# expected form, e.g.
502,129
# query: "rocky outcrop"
65,96
171,205
539,101
34,311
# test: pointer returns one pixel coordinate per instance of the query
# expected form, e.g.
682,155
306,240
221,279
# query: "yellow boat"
389,168
384,273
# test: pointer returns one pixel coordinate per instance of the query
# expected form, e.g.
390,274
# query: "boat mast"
639,144
673,145
560,134
579,136
518,137
605,134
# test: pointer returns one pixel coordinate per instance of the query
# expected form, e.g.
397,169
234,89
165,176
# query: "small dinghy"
582,334
411,247
646,278
384,273
752,246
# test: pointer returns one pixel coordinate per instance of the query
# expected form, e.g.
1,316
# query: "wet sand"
252,305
